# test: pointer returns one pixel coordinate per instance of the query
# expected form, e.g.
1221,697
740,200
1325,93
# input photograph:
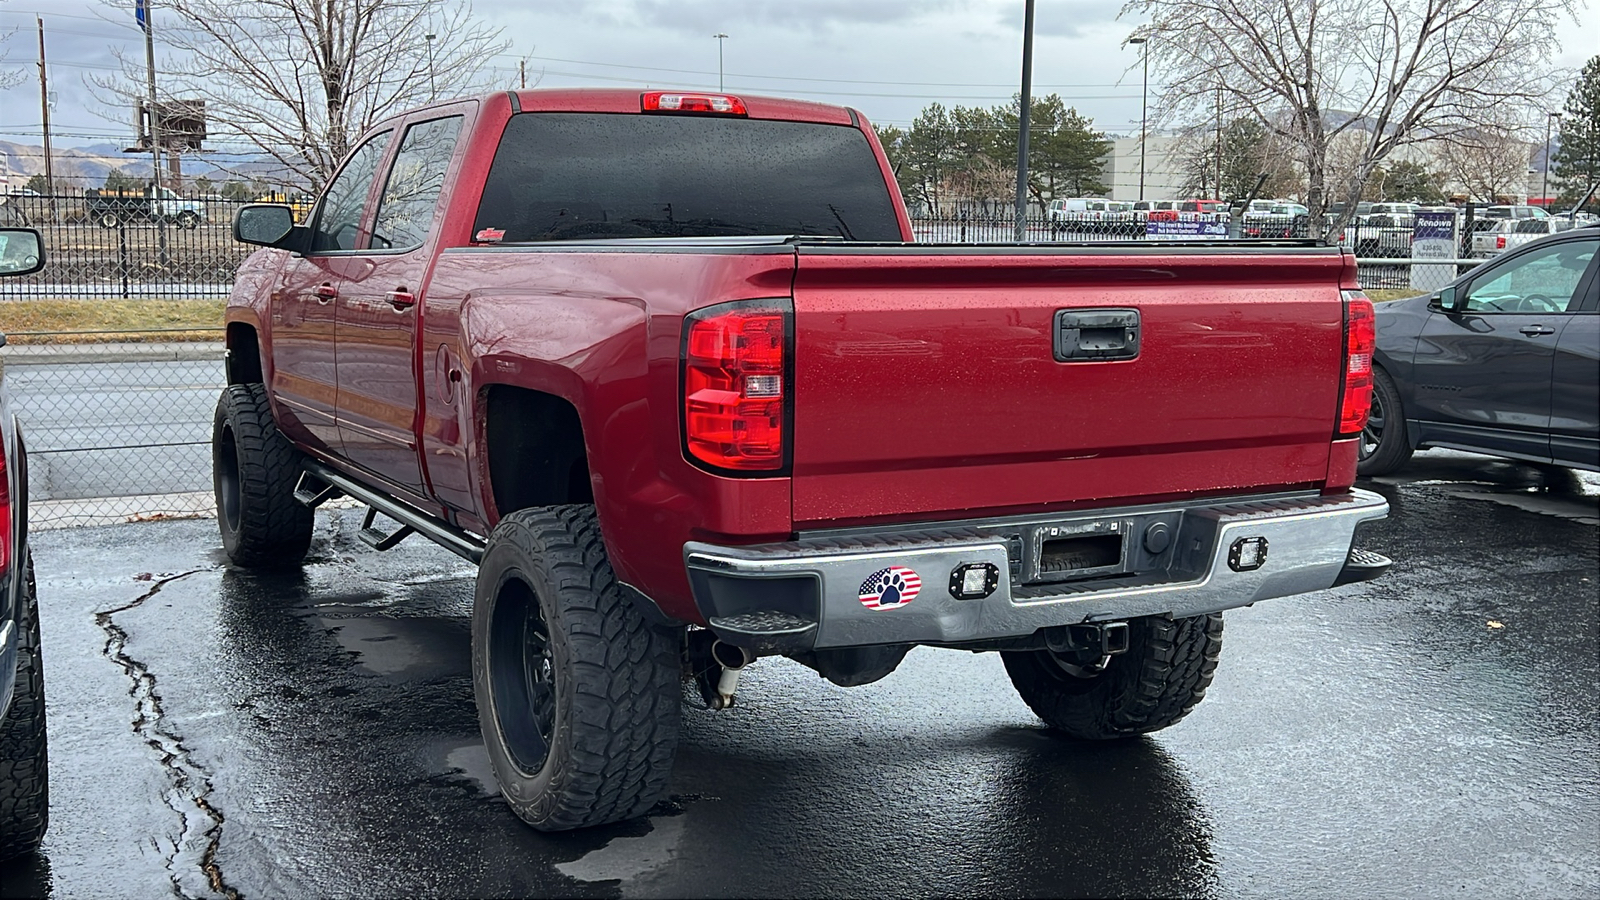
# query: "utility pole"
1022,136
152,117
1219,141
522,73
44,113
1544,192
142,12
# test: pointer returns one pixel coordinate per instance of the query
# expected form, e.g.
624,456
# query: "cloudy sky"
888,58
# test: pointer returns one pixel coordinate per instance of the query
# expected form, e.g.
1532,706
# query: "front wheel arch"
1385,443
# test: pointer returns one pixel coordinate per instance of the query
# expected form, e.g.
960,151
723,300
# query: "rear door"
378,308
303,303
930,381
1483,373
1575,383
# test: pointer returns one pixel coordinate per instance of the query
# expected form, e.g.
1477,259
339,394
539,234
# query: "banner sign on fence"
1199,230
1434,238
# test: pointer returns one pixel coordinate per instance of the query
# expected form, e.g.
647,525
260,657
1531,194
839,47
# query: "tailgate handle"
1096,335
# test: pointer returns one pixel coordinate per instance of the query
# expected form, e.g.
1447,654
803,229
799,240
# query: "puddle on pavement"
626,858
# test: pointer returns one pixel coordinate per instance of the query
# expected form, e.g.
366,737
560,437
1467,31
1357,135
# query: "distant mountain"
76,168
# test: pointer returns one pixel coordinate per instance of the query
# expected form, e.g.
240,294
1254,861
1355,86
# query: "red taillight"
1500,242
715,104
1360,340
734,388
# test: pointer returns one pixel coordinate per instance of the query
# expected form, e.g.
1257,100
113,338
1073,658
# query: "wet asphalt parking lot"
1434,733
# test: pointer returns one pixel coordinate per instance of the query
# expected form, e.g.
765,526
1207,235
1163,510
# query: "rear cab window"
410,196
584,176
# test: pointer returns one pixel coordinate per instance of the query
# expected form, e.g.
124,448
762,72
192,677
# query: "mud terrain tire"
254,470
1164,673
24,769
577,694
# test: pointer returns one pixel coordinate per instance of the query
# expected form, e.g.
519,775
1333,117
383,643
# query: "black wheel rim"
522,675
226,463
1372,432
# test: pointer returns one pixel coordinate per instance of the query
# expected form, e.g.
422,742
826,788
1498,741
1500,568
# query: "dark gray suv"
1505,360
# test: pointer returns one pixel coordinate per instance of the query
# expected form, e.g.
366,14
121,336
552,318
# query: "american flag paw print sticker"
890,588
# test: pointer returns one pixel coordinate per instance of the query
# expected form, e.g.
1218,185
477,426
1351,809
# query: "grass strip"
95,321
1383,295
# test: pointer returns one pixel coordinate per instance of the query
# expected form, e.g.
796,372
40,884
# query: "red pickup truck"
668,368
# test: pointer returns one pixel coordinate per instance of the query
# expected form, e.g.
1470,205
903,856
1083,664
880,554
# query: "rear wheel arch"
1386,441
534,444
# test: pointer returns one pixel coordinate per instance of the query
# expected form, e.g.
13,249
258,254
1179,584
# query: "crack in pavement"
191,782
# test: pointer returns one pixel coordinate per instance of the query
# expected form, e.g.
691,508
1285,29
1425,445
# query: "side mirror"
1449,301
267,224
21,251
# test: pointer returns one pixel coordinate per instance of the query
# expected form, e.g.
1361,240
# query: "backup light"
974,581
713,104
1247,554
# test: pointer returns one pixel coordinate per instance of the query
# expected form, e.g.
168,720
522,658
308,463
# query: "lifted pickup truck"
667,367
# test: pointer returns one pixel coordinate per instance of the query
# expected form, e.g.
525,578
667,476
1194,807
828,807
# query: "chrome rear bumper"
818,592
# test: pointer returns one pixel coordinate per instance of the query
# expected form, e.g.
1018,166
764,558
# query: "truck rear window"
582,176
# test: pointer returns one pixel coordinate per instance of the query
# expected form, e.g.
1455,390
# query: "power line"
583,62
817,93
30,13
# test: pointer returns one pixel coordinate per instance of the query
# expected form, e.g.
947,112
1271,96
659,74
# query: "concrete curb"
57,354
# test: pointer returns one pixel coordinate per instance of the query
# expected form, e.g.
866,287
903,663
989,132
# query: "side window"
1545,280
405,211
339,220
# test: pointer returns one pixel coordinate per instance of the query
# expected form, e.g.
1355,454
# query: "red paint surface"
925,386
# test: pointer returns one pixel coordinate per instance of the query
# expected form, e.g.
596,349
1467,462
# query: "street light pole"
720,38
1144,106
1022,123
1544,192
433,90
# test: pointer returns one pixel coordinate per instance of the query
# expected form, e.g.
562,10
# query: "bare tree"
1393,72
302,79
1492,165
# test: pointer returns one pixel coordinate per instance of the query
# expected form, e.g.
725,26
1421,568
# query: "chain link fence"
1382,243
117,424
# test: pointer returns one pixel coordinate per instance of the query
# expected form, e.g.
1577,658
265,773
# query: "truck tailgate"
927,383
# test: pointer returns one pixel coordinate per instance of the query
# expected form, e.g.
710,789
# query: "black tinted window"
339,222
573,176
405,210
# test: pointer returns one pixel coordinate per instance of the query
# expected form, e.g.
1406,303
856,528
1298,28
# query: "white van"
1082,209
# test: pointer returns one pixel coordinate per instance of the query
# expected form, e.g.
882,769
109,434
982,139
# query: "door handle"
325,292
1536,330
401,298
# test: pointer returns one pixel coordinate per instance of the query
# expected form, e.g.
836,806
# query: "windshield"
581,176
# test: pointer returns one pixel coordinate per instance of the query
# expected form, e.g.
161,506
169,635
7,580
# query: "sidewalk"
48,515
155,351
